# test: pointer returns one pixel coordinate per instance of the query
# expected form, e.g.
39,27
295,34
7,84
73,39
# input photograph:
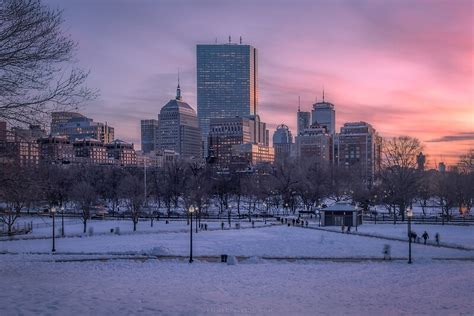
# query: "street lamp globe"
53,210
409,212
191,209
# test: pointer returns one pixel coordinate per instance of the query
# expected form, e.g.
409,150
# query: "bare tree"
35,78
84,195
18,188
400,178
173,183
285,180
197,188
339,182
55,182
313,183
466,162
131,190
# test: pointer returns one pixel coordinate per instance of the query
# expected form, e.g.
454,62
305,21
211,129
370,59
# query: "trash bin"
224,258
111,230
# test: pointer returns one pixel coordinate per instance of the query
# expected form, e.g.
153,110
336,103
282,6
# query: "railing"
419,219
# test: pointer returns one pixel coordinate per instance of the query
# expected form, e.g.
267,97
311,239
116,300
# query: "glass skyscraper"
226,83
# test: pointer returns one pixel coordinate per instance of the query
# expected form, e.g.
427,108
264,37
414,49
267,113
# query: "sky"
406,67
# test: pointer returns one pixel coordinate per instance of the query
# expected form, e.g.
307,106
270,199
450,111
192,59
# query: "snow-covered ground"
176,288
42,227
36,282
449,234
271,241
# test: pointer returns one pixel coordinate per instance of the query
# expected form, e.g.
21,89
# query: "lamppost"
191,211
409,215
53,212
62,221
265,214
319,215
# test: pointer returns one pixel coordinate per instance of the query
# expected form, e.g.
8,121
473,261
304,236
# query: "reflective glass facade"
226,83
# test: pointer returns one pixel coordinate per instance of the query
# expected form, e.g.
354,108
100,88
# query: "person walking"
437,238
425,236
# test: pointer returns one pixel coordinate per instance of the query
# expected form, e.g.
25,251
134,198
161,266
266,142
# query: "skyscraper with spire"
178,128
324,115
226,83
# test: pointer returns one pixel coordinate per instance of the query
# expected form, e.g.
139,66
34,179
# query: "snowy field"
174,288
42,227
286,271
462,235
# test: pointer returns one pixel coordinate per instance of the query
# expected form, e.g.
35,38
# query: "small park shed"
341,213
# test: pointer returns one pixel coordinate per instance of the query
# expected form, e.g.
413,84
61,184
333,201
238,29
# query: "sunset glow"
405,67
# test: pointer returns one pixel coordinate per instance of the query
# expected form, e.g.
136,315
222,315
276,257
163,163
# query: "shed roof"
342,207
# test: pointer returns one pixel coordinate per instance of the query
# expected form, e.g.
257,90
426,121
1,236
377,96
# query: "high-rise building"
314,143
76,126
282,142
149,130
420,161
225,133
324,115
178,128
303,121
226,83
442,167
251,155
359,148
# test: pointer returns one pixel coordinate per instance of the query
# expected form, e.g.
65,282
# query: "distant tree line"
290,187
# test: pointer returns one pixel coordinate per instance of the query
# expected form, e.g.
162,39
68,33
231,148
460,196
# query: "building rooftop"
341,206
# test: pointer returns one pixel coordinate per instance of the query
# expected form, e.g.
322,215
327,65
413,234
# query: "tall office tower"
226,83
314,143
225,133
77,126
324,115
258,131
303,120
149,130
282,142
178,128
359,148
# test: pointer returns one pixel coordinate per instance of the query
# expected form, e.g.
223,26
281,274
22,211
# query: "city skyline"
415,86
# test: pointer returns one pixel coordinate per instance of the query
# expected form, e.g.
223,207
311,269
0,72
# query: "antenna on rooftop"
323,93
230,39
241,40
299,103
216,40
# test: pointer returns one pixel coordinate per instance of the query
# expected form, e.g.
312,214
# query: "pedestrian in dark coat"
425,236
